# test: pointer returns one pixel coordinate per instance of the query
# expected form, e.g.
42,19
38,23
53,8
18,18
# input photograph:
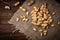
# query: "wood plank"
6,30
4,20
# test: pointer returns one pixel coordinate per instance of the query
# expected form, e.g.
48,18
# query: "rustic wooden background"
5,28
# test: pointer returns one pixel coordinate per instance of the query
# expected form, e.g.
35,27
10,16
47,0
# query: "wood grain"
6,30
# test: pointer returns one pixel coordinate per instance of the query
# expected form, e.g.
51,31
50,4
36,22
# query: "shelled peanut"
17,3
30,3
23,9
24,18
7,7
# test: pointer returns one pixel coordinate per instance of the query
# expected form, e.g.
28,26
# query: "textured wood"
6,30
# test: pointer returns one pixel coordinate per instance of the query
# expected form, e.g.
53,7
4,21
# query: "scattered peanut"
41,34
26,19
22,16
27,13
17,19
34,29
52,25
23,9
53,13
40,30
17,3
58,22
31,2
45,32
7,7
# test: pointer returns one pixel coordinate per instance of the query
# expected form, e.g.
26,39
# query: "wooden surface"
5,28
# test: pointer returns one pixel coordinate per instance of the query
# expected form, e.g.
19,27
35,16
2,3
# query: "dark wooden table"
5,28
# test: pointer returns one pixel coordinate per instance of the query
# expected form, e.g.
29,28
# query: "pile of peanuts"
40,16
